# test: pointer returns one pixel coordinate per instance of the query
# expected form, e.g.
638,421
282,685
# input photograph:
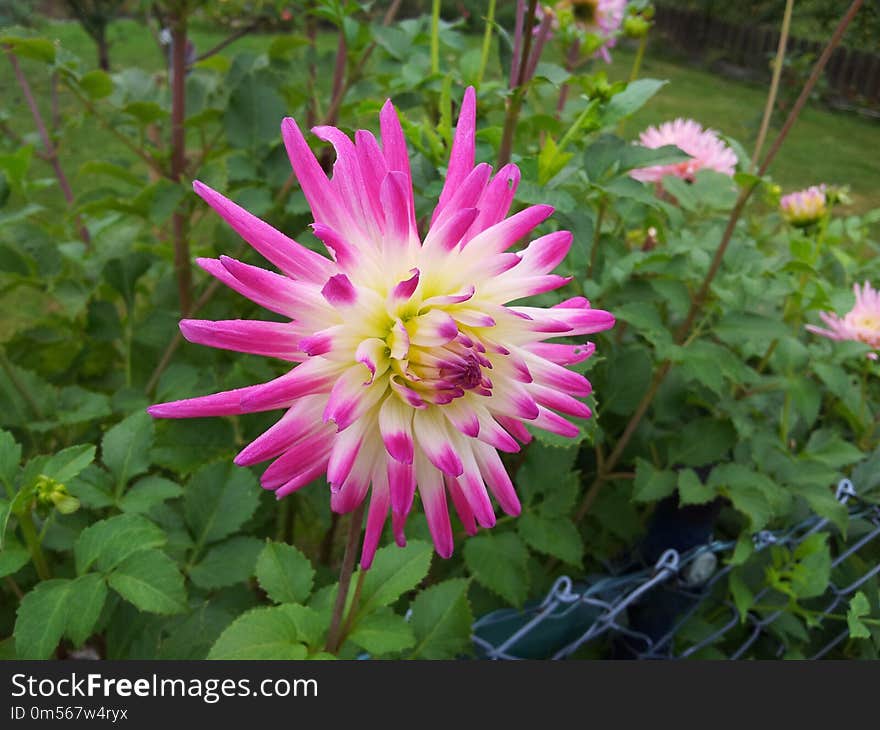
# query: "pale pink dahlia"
707,151
602,17
861,323
804,207
414,370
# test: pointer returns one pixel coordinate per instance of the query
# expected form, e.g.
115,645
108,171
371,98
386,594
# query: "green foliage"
145,534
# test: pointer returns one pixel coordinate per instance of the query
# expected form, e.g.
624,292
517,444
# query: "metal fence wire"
660,612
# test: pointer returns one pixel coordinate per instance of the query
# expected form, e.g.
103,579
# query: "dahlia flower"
414,368
602,17
707,151
804,207
861,323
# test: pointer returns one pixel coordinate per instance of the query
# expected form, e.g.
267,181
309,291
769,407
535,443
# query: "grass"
824,146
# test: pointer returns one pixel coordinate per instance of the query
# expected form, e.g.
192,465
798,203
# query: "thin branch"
240,33
774,82
51,151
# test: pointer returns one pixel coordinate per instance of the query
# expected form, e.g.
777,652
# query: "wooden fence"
851,73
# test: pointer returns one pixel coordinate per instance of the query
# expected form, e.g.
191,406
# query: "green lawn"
824,146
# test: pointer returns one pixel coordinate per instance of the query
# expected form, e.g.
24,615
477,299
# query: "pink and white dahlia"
601,17
861,323
804,207
414,368
707,151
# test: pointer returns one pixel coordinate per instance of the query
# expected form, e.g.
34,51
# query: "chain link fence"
656,613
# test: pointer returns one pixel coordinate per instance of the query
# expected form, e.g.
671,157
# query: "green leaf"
743,598
125,448
97,84
41,619
441,621
829,448
63,466
150,580
382,632
264,633
691,490
147,493
553,536
218,500
652,484
285,573
111,541
10,458
13,556
499,563
394,571
227,563
858,607
253,111
551,160
701,442
813,570
86,595
630,100
38,49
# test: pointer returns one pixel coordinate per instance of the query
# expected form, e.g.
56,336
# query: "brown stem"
699,300
51,151
178,156
515,104
354,533
570,61
13,586
231,38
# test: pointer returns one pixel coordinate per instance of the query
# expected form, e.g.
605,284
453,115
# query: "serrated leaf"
285,573
499,563
441,621
13,556
150,580
41,619
394,571
10,458
691,490
227,563
858,607
382,632
147,493
652,484
557,537
111,541
125,448
86,595
264,633
63,466
218,500
701,442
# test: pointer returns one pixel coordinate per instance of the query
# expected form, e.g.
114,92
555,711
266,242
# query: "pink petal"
272,339
461,157
394,199
302,419
497,479
395,426
376,516
396,155
339,291
462,508
434,441
294,260
313,376
433,495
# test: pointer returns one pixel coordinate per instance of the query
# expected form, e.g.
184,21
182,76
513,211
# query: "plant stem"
334,634
515,103
700,298
435,36
487,42
597,236
29,532
637,61
774,82
240,33
179,222
51,151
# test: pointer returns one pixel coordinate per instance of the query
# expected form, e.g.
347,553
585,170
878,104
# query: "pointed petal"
434,441
271,339
294,260
433,495
395,426
301,420
377,514
461,157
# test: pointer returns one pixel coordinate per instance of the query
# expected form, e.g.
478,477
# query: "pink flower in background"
804,207
707,151
602,17
414,370
861,323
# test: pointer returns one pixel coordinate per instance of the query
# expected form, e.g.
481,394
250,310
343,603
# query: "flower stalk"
334,634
